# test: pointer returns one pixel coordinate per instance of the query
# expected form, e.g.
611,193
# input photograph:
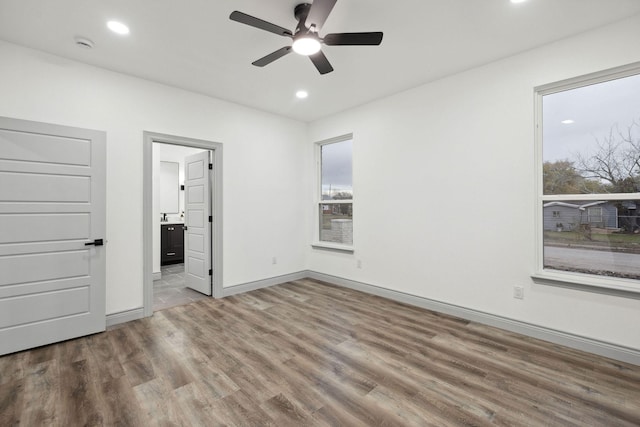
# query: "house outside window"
335,204
588,162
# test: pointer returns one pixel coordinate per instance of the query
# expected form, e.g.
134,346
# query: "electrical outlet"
359,263
518,292
274,260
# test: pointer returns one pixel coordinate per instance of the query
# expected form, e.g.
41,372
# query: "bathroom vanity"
171,243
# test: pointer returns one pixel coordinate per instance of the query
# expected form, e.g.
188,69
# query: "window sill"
588,282
333,247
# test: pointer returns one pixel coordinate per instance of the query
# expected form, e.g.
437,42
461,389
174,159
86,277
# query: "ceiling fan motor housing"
301,11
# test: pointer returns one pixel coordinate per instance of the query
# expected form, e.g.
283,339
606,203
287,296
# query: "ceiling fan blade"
243,18
321,62
272,57
353,39
319,12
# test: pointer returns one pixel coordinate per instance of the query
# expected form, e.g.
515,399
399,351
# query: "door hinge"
210,272
210,218
210,166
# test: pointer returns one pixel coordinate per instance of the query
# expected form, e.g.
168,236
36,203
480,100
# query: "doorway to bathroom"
182,221
182,242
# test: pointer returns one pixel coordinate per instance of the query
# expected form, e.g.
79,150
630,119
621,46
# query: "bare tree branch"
616,159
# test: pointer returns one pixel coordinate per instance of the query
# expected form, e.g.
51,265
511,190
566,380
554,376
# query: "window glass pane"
336,161
591,138
336,223
593,237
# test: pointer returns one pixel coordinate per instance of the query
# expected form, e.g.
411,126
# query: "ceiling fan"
306,40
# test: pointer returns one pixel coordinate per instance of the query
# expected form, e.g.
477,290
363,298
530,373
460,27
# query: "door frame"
147,211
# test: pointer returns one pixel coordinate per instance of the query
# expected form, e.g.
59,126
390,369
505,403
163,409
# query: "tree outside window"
590,141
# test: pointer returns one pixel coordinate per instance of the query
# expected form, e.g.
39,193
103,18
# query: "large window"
589,196
335,205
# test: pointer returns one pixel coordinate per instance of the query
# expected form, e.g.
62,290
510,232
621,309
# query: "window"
589,187
335,204
595,217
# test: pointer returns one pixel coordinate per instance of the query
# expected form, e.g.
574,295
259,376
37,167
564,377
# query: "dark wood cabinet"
172,244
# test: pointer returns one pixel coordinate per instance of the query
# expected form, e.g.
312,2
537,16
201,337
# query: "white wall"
263,193
444,190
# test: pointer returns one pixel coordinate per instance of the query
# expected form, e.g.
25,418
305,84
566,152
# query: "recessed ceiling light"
118,27
567,122
518,1
302,94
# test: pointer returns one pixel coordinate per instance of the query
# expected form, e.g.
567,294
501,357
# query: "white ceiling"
192,44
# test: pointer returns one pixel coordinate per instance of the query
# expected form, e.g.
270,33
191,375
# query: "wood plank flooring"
311,354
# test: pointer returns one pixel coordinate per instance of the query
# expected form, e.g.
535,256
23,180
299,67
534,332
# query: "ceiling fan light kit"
306,45
306,40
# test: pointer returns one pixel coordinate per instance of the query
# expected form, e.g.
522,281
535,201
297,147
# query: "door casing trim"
147,211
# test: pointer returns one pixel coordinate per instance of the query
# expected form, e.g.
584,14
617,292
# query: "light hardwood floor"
306,353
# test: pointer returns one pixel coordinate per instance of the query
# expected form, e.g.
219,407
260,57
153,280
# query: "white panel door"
52,210
197,239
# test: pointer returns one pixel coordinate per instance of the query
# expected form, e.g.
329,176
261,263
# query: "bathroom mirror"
169,187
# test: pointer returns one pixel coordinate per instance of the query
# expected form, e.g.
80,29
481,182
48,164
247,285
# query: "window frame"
318,202
559,277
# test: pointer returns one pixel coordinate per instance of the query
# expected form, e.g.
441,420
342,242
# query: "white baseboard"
157,276
124,316
264,283
602,348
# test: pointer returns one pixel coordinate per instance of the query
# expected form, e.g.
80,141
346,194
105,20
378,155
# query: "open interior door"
197,240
